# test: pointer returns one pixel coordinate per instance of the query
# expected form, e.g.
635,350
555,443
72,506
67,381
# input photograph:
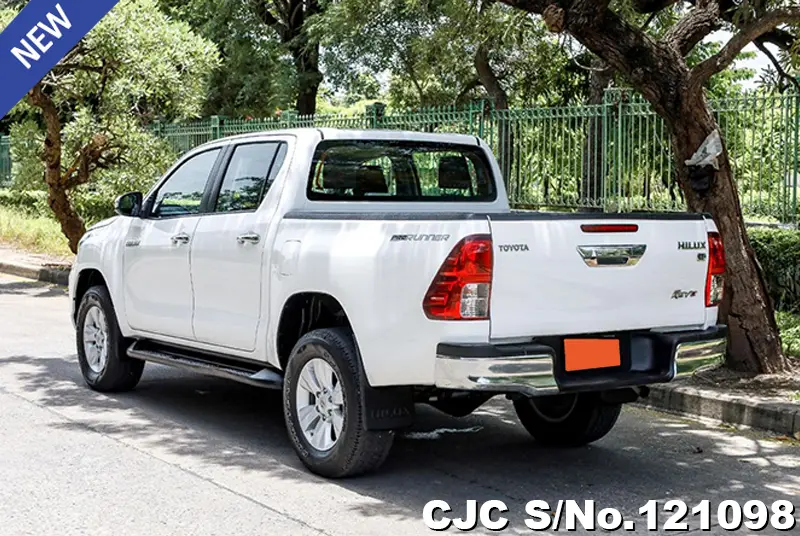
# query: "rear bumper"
537,368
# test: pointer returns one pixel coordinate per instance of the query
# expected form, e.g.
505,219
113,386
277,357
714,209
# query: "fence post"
289,117
216,127
608,157
796,166
618,149
477,109
374,115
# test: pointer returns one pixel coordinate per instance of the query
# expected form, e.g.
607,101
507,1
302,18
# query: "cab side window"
182,193
250,173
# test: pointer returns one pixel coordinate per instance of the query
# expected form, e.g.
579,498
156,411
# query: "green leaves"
778,252
135,66
255,77
426,49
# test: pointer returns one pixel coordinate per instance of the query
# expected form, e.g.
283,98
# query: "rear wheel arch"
305,312
386,408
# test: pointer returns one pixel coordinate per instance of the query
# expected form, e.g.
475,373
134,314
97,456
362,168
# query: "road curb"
37,273
773,416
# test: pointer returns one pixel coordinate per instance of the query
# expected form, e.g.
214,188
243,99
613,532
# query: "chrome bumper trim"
527,374
691,356
533,374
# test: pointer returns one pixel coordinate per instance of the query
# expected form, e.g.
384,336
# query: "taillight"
463,285
715,280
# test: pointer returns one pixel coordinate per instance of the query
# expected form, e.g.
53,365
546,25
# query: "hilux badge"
691,245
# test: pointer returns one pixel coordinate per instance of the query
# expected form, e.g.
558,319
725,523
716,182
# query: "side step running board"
204,364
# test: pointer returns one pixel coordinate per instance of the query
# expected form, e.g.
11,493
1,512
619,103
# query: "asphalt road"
190,455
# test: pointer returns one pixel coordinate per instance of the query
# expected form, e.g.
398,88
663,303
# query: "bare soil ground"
772,387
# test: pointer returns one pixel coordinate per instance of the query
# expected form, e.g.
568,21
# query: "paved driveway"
190,455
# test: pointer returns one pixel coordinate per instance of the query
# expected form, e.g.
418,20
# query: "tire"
567,420
97,332
330,354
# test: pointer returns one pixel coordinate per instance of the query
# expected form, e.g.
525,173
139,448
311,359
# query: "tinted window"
399,171
250,174
183,192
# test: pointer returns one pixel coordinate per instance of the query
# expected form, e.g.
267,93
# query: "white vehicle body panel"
548,289
157,281
217,295
395,338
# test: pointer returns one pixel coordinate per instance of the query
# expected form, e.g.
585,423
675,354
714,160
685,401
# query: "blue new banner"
38,38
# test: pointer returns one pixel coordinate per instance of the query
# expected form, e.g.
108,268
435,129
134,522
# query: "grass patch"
38,234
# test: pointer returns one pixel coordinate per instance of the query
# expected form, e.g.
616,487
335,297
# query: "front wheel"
101,348
322,407
567,420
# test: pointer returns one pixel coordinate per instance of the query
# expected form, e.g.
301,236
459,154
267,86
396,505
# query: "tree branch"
624,47
489,78
51,155
95,154
469,86
652,6
777,64
694,27
747,34
265,15
780,38
63,68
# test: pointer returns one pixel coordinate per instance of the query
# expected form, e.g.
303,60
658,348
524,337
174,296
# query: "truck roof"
355,134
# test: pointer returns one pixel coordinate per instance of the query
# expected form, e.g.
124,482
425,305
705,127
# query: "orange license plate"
587,354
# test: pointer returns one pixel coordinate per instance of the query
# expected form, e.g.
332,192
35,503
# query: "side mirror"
128,204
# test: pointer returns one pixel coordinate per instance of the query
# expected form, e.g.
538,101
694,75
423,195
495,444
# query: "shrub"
31,202
92,206
778,252
789,326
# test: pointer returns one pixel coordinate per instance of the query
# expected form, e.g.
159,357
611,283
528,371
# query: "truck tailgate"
562,274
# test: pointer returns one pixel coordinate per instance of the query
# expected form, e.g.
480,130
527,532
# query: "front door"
157,281
227,254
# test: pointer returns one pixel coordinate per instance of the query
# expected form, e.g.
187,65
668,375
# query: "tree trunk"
71,223
594,165
309,78
288,18
499,97
754,342
658,70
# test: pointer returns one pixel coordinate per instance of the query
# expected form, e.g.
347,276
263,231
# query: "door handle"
248,238
180,238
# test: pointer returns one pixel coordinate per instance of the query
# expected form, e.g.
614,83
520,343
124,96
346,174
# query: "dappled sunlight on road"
233,437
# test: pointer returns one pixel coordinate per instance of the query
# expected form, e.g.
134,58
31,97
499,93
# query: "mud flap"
387,408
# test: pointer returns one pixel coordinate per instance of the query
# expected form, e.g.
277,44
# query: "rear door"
559,275
227,264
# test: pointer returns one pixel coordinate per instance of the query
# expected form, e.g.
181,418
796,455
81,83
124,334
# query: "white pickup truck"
364,272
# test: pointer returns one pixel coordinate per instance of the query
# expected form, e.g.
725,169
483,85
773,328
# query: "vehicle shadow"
235,435
33,289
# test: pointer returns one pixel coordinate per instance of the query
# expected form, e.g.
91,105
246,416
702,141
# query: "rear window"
350,170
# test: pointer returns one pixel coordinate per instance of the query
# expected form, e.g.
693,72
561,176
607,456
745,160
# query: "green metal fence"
5,160
612,156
